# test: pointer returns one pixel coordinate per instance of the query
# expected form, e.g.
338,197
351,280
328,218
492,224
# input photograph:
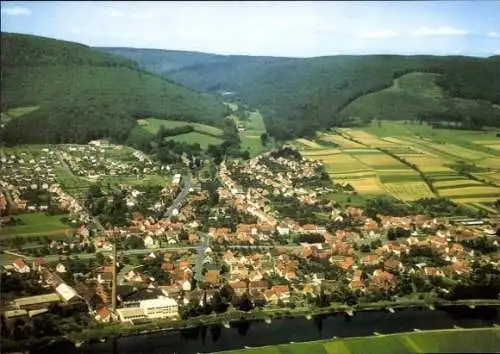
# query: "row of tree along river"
217,337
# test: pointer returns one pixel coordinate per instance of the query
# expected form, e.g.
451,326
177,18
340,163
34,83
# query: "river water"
212,338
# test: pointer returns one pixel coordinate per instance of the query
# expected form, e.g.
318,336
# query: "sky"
292,29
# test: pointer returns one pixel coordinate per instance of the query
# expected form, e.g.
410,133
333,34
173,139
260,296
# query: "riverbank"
117,330
456,340
121,330
237,332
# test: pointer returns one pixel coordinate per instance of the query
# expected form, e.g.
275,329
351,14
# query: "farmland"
395,157
439,341
250,137
152,125
35,224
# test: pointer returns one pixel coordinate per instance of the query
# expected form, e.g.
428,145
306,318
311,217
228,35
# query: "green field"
195,137
146,180
36,224
250,137
482,340
152,125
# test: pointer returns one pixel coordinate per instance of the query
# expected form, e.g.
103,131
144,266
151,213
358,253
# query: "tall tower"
113,286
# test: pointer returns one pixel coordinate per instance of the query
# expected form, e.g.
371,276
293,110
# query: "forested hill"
299,96
78,93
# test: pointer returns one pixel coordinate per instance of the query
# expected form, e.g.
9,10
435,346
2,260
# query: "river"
212,338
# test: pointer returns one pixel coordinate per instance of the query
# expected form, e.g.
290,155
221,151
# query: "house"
239,287
259,285
433,272
371,259
393,265
20,266
282,291
60,268
283,230
212,277
150,242
103,315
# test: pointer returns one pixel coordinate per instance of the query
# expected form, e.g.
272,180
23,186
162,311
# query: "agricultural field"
250,137
195,137
482,340
433,152
152,125
340,141
35,224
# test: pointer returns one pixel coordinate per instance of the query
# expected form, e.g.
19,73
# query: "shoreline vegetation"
103,332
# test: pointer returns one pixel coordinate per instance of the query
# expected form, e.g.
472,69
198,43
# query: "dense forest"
83,94
299,96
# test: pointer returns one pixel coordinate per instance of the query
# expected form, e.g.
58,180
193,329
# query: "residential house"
20,266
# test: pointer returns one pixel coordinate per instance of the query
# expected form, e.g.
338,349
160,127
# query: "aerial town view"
295,193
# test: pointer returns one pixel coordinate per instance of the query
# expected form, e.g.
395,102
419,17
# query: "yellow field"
409,191
368,185
457,183
494,146
341,141
378,160
352,175
459,151
428,163
321,152
472,200
341,163
367,138
309,143
473,191
492,162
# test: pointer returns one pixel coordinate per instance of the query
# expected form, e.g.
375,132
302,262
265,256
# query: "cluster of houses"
100,159
28,174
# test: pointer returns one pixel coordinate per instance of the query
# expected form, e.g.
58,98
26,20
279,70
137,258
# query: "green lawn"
449,341
195,137
250,138
146,180
36,224
153,125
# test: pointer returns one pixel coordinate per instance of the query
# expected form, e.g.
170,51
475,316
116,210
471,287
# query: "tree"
264,137
245,303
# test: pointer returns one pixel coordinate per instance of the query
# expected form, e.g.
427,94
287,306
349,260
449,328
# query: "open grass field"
250,137
152,125
146,180
195,137
482,340
36,224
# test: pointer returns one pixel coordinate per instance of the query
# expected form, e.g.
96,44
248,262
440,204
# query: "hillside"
416,95
81,94
299,96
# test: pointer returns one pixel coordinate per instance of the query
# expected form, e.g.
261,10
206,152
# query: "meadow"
481,340
152,125
35,224
250,137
